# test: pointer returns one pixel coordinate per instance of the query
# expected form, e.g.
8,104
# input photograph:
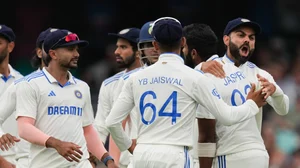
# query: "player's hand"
213,67
111,164
268,87
7,141
6,164
68,150
257,97
131,149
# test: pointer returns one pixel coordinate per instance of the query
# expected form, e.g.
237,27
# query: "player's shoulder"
113,78
30,77
130,73
251,65
79,82
16,74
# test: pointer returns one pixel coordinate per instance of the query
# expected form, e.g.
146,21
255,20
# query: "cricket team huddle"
175,103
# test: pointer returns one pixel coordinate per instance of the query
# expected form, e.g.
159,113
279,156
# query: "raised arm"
275,96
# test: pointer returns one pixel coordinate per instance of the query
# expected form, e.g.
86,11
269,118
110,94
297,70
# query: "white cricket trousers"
245,159
82,164
125,159
161,156
10,158
22,162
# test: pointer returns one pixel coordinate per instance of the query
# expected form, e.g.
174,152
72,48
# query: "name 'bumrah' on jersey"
59,111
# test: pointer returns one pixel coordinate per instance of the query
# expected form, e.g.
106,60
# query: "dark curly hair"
201,38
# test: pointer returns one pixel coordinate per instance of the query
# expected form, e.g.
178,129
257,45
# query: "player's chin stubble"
127,62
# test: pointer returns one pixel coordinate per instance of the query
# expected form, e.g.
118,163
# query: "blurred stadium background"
277,48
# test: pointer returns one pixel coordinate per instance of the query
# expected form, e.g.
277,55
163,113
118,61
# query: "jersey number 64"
161,113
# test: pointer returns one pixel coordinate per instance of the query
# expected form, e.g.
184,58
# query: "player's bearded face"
3,54
125,61
186,54
188,60
69,58
242,53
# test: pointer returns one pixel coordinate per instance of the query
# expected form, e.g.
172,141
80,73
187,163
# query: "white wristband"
207,149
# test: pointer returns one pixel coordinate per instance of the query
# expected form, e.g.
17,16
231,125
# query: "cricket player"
148,54
201,44
7,140
127,58
8,76
54,110
241,145
166,95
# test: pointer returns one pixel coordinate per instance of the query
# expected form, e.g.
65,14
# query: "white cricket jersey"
8,109
279,100
9,124
59,111
234,89
130,128
166,96
105,101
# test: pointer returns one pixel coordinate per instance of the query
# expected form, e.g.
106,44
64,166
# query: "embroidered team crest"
78,94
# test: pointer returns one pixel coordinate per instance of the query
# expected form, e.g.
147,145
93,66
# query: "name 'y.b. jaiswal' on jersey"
59,111
241,136
167,99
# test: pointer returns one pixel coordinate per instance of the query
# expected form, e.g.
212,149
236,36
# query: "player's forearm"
94,144
205,162
31,134
230,115
279,101
206,140
121,139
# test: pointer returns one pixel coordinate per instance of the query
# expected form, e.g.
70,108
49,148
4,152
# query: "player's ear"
226,40
194,53
155,45
52,54
39,52
183,42
11,46
137,54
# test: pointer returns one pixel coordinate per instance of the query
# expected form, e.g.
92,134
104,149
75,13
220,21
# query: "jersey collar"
12,72
170,57
51,79
226,59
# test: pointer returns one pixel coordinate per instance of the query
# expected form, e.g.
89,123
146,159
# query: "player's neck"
133,66
60,74
4,69
236,63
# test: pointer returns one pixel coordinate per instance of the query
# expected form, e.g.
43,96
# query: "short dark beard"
127,62
235,52
3,55
188,61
